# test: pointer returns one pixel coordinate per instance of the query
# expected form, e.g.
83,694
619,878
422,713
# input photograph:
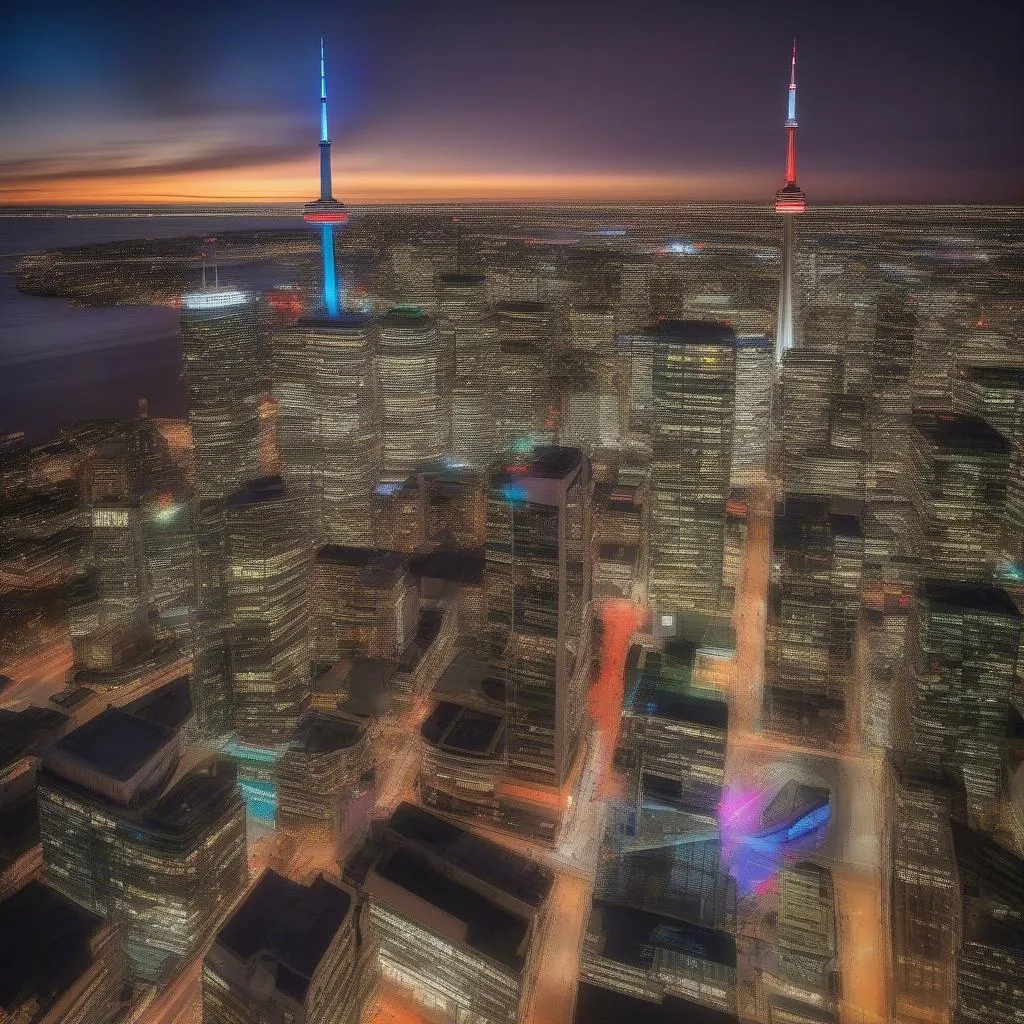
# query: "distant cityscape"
545,614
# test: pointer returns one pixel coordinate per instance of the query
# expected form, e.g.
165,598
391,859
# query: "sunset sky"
113,103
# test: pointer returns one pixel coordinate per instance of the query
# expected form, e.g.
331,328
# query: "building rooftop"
691,332
320,732
22,733
960,433
169,706
598,1005
794,801
975,597
520,877
633,936
266,488
45,946
463,730
116,743
451,565
288,924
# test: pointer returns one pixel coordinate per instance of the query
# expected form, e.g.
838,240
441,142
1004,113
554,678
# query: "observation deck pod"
324,211
790,199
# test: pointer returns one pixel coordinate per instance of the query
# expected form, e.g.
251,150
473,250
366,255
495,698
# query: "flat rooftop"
691,332
960,433
289,924
495,865
463,730
974,597
632,936
450,564
320,732
44,946
169,706
22,733
116,743
267,488
490,929
470,675
598,1005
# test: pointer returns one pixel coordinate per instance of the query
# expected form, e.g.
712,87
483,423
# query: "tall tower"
788,201
326,211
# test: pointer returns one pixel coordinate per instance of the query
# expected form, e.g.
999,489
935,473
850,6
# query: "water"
60,363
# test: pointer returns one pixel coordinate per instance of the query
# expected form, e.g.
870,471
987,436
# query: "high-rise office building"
269,568
468,335
694,391
219,340
961,661
809,380
754,376
813,615
537,581
525,406
327,406
134,832
289,953
453,916
414,423
59,963
958,472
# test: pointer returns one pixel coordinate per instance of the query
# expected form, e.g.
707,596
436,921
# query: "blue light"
809,822
791,115
513,493
260,800
330,273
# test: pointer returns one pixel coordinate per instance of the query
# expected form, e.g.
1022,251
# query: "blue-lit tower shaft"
326,212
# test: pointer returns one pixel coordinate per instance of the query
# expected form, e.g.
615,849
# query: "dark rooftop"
632,936
44,946
961,433
266,488
22,733
455,566
320,732
691,332
289,923
597,1005
169,706
792,802
116,743
489,929
463,730
976,597
518,876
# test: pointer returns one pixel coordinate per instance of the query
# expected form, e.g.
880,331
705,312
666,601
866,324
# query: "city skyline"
460,104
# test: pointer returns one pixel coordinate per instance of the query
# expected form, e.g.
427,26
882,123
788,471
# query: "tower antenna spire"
326,212
789,200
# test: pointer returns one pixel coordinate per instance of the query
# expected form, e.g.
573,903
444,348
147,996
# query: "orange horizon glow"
291,182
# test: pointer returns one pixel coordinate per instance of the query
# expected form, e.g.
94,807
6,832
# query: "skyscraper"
694,389
414,430
537,580
326,212
789,200
268,580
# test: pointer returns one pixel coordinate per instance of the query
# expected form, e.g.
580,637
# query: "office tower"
789,200
754,375
468,335
454,506
920,902
619,538
694,389
990,958
167,542
995,393
325,212
960,665
413,429
943,315
134,831
59,963
453,916
269,563
289,952
326,394
958,468
220,350
813,614
809,380
808,944
524,405
537,582
119,558
325,768
892,359
364,604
